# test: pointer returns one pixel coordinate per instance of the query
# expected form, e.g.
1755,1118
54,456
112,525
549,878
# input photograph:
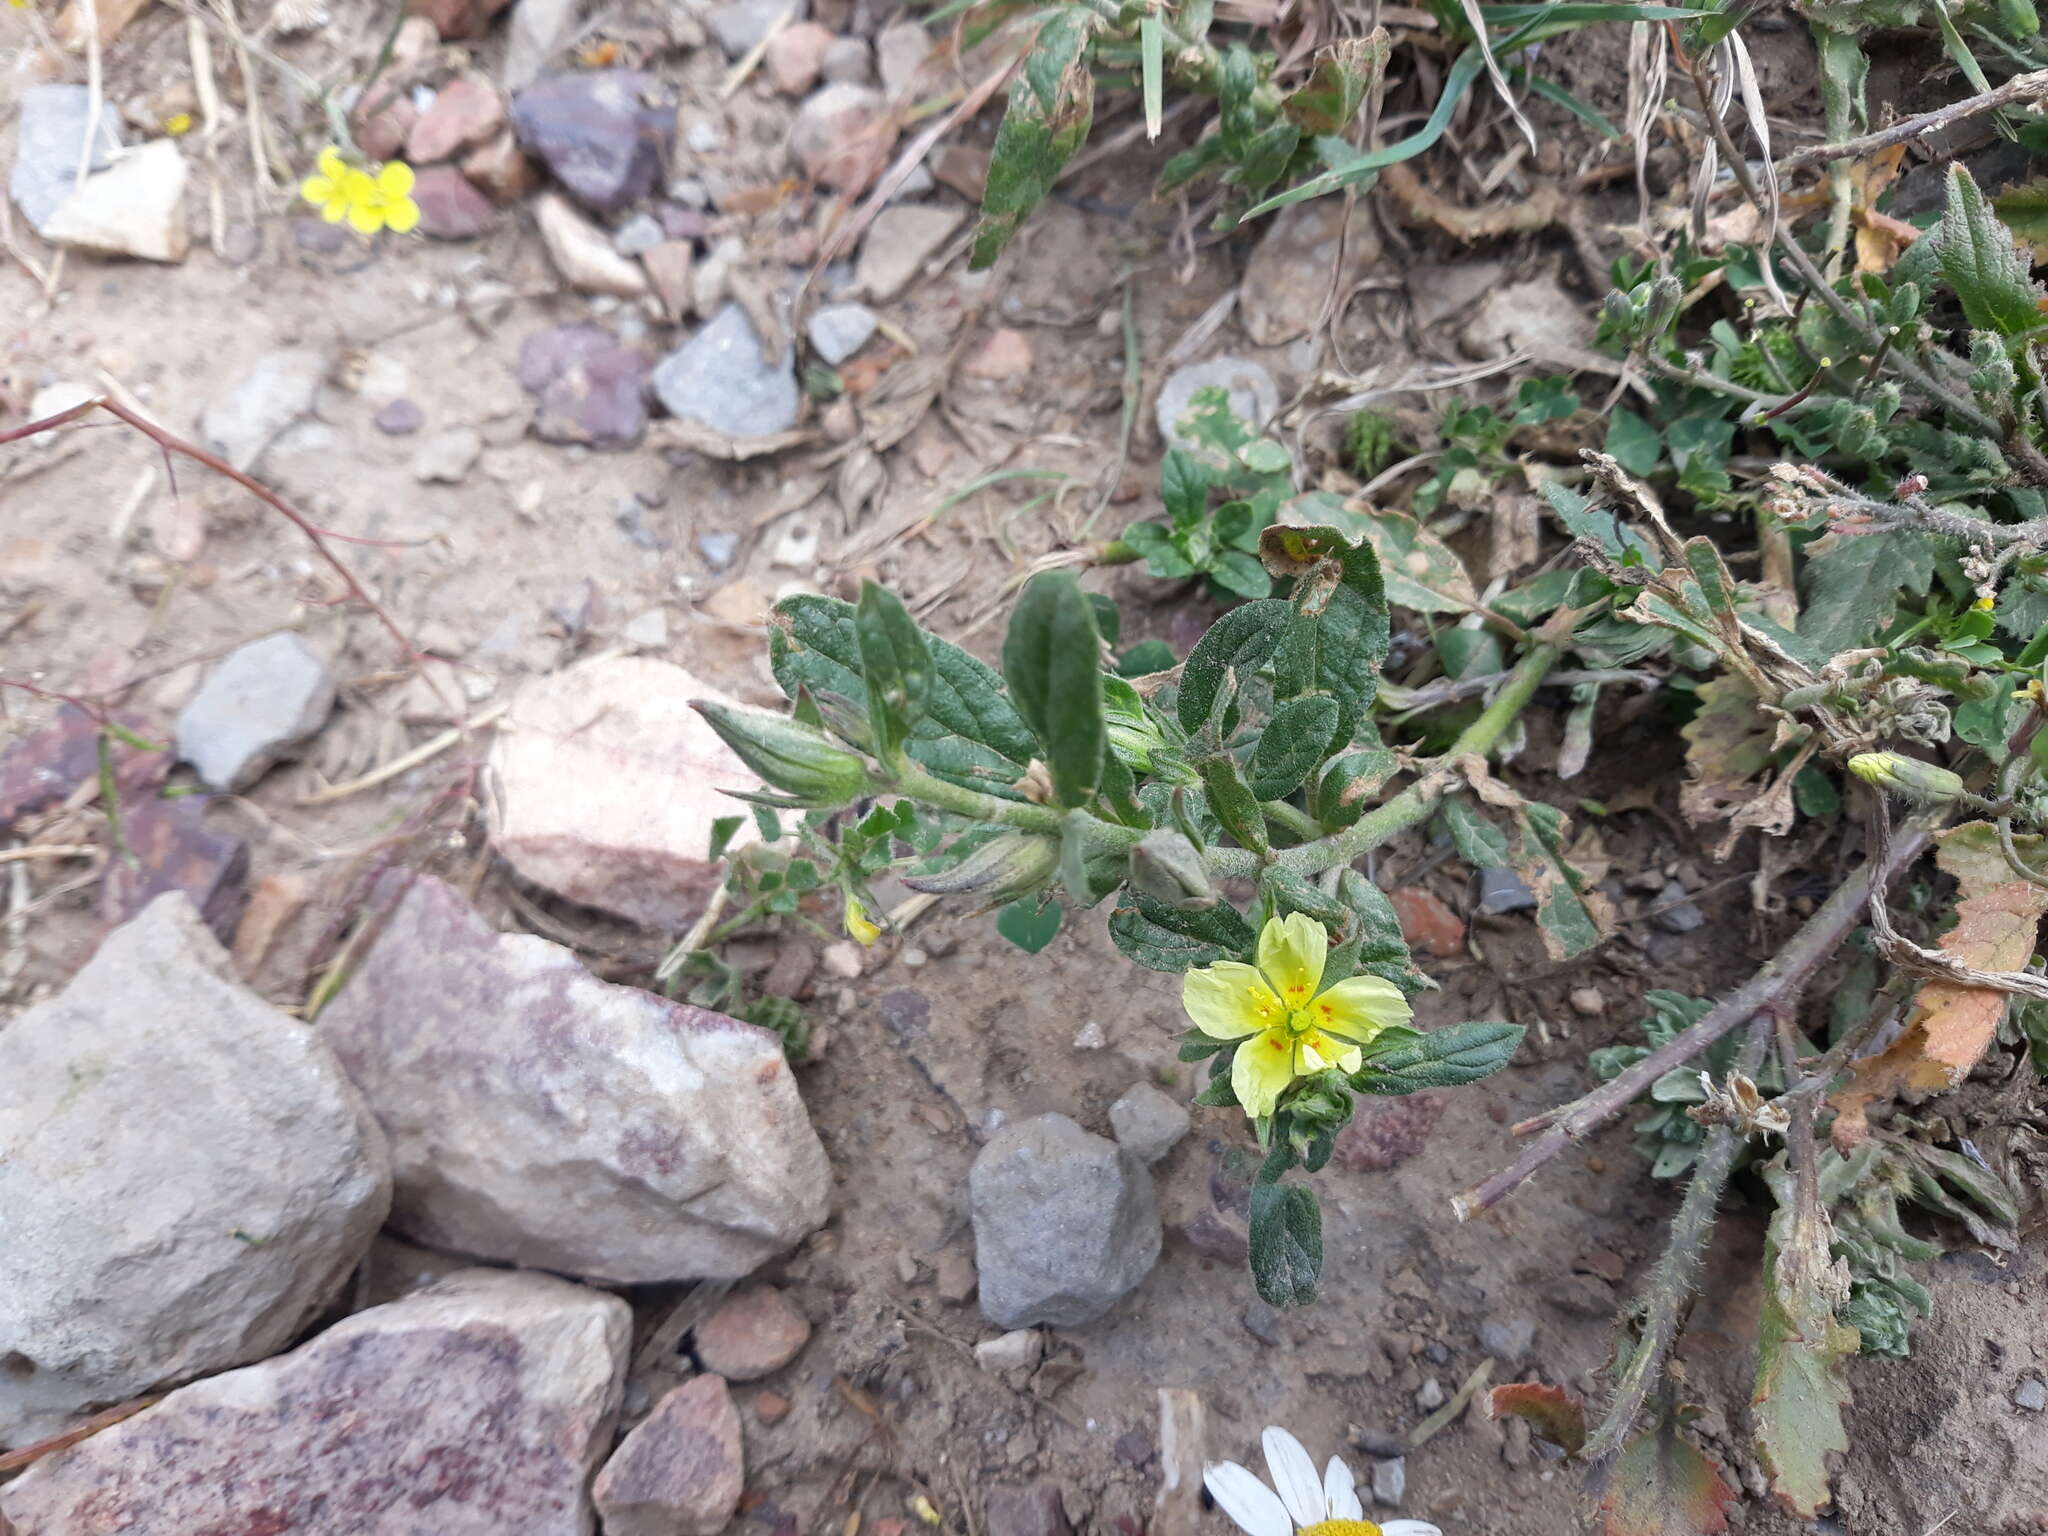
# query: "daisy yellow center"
1341,1528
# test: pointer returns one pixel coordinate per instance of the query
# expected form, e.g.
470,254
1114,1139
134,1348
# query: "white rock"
134,208
186,1177
446,458
901,50
796,545
583,253
843,960
262,701
837,331
541,1117
902,238
49,133
1018,1350
1148,1123
476,1407
1253,395
537,28
608,783
647,631
244,419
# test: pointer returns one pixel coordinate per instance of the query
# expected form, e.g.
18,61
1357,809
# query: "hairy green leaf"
1295,739
1439,1058
1661,1485
1338,631
1800,1392
1421,571
1051,105
1853,583
895,666
1286,1244
1478,841
1029,923
1978,260
1242,641
1052,659
1348,783
1232,801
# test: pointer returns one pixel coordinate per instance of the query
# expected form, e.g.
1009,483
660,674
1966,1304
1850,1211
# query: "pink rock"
450,207
1427,923
502,170
668,268
457,19
609,784
40,769
592,390
541,1117
171,848
754,1333
475,1407
795,55
466,113
1005,355
1387,1132
681,1471
383,133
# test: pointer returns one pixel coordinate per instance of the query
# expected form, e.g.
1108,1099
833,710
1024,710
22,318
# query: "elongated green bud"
1907,776
800,760
1169,868
1000,870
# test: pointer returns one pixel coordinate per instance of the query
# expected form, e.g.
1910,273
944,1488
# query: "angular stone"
591,389
841,135
1018,1350
466,112
446,458
602,132
171,848
456,19
243,420
848,61
753,1333
1034,1509
1005,355
1254,396
1065,1223
837,331
186,1178
1501,890
1148,1123
638,235
382,135
582,253
739,25
668,270
795,56
1427,923
681,1471
451,205
257,705
1288,275
136,207
475,1407
541,1117
501,170
900,52
40,769
902,238
49,133
537,29
718,378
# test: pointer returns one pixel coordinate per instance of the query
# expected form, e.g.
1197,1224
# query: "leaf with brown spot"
1727,748
1553,1412
1661,1485
1998,916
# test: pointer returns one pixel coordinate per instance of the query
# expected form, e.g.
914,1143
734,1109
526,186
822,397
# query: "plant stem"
1776,981
1677,1274
2020,88
1293,818
909,779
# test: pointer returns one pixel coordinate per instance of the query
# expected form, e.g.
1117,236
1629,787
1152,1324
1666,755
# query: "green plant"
1671,1137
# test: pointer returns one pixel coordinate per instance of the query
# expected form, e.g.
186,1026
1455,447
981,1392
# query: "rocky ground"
505,1241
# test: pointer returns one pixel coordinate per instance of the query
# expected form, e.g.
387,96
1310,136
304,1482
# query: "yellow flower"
1290,1028
859,925
336,189
178,124
369,203
1985,603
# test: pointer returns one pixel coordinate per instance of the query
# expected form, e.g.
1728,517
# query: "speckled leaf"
1052,103
1421,571
1553,1412
1661,1485
1287,1244
1438,1058
1242,641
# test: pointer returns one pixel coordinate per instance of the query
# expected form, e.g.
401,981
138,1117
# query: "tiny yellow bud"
924,1509
178,123
859,926
1907,776
1985,603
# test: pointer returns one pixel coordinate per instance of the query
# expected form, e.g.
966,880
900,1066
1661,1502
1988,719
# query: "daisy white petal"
1410,1528
1340,1491
1255,1508
1294,1475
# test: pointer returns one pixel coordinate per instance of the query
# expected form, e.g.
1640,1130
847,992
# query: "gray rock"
1680,915
1288,274
1430,1395
400,418
1254,396
592,1129
134,208
739,25
50,131
841,135
900,52
246,418
1147,1123
2031,1395
1033,1509
603,132
476,1407
536,30
638,235
1390,1482
718,378
186,1177
718,546
1065,1223
263,700
901,239
1508,1339
681,1471
1501,890
446,458
1018,1350
848,61
1263,1323
837,331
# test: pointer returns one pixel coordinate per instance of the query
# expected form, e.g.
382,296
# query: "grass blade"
1152,47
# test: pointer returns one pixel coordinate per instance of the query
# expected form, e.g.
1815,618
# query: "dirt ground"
528,563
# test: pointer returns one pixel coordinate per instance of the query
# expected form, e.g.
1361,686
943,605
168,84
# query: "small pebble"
1681,915
718,546
2032,1395
401,418
1390,1481
843,959
642,232
1501,890
771,1407
1262,1323
1375,1442
1588,1001
1015,1351
1430,1395
1091,1036
914,957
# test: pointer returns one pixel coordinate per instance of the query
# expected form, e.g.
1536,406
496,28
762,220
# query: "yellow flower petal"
1333,1051
859,926
1229,1000
1261,1072
395,180
1291,953
332,166
365,218
1360,1008
335,210
403,216
317,189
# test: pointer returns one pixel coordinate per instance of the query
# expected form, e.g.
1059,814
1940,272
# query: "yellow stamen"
1341,1528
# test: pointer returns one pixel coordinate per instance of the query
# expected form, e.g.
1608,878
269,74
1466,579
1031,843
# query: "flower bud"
1907,776
799,760
1169,868
1000,870
859,926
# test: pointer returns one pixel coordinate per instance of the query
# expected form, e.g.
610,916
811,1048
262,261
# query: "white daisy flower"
1314,1506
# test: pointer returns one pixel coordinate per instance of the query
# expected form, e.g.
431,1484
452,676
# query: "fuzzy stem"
909,779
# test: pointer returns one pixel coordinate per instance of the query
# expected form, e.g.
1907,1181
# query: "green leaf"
1582,520
1553,1412
1295,739
1028,925
1146,657
722,831
1571,917
1634,442
1052,103
1164,938
1152,57
1232,801
1338,632
1184,483
1478,841
1052,659
1439,1058
894,664
1977,259
1801,1348
1662,1486
1286,1244
1421,572
1348,784
1853,583
1240,642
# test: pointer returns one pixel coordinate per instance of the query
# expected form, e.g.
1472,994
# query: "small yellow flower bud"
1907,776
1985,603
859,926
178,123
